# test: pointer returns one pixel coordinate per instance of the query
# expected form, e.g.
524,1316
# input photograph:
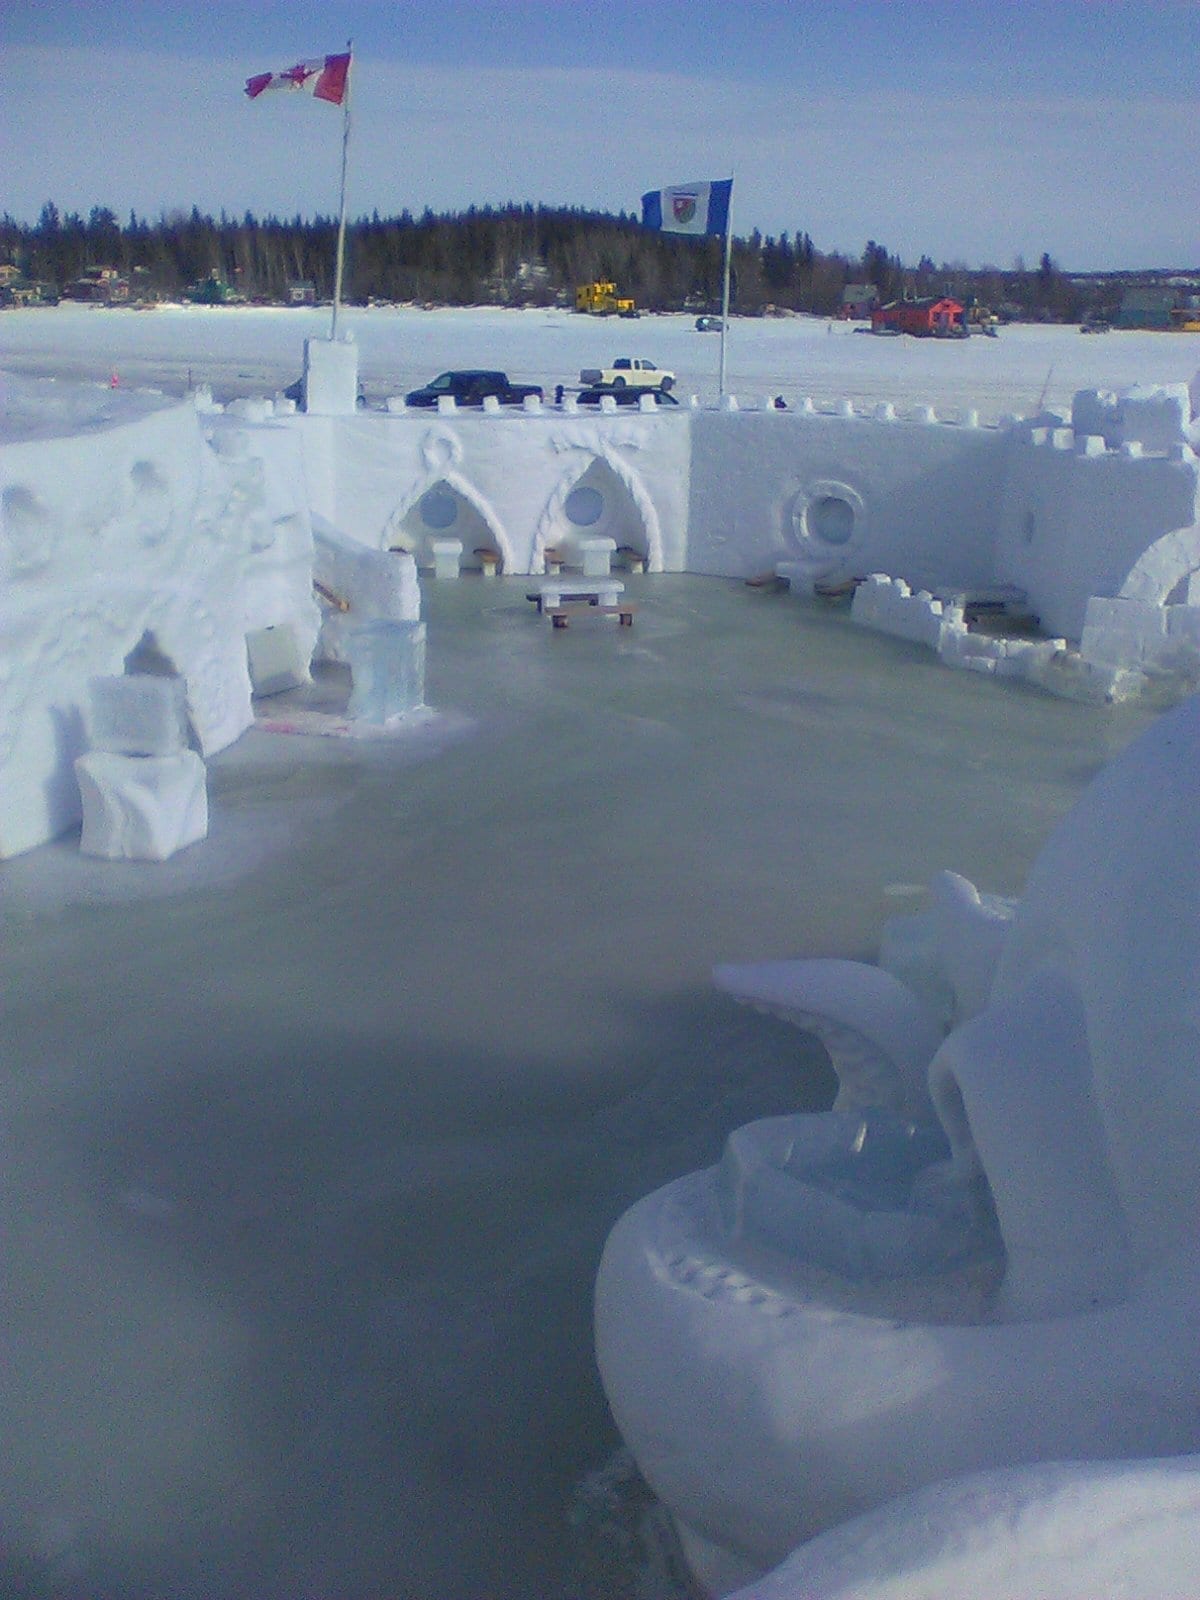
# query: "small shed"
1147,307
858,301
935,316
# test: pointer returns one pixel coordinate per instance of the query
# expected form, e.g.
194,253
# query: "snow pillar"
330,377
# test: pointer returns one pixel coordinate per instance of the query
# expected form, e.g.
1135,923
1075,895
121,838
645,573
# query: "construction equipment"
601,299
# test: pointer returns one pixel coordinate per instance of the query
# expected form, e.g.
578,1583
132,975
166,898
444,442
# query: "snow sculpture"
857,1304
1069,1529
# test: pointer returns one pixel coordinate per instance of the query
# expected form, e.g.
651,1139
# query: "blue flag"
696,208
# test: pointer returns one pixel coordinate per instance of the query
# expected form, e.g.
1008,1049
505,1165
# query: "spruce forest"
511,255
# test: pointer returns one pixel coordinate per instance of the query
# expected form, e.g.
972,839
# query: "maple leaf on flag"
325,79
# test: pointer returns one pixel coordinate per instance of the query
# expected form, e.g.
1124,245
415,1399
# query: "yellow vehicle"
601,300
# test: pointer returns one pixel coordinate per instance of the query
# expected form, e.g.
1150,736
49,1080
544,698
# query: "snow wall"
122,516
134,530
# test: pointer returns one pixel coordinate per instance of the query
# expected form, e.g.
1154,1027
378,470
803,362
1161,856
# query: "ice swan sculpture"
987,1254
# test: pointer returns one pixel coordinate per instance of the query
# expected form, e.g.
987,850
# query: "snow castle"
123,515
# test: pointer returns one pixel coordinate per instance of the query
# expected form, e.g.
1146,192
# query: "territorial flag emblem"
695,208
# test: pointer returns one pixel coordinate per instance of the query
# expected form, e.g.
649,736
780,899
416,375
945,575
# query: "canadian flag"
325,79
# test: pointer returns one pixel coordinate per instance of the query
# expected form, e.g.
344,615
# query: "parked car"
472,388
625,397
627,372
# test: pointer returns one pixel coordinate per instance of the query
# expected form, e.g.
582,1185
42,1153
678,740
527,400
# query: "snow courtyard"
313,1134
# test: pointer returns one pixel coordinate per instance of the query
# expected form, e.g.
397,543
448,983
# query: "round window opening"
585,506
830,519
438,508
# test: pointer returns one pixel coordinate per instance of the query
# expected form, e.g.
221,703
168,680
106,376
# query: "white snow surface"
312,1134
247,351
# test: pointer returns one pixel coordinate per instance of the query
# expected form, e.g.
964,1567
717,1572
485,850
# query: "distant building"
1147,308
858,301
302,293
18,290
101,285
935,316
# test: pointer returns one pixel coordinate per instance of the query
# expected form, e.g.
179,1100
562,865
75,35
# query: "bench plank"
560,616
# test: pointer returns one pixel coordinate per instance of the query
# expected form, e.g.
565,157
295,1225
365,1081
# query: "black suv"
472,389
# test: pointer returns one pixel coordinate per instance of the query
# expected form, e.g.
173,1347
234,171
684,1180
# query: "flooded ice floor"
310,1138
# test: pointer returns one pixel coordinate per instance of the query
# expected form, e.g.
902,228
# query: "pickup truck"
471,389
627,372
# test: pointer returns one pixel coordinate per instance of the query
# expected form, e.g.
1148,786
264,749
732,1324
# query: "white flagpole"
725,288
341,236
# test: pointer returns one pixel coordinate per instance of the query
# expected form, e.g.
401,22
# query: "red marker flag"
325,79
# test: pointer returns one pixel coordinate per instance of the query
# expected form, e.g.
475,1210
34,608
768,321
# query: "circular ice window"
830,519
438,508
585,506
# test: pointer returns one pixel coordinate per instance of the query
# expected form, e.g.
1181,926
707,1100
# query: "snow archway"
447,509
444,504
599,496
1167,572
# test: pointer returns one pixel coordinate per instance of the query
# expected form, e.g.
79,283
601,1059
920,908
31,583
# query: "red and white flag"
325,79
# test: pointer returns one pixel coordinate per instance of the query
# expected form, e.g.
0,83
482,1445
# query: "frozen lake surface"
250,351
312,1135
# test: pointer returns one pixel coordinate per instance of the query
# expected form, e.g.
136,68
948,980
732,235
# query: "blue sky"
972,132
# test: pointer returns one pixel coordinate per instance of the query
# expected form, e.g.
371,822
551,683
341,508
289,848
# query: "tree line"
510,255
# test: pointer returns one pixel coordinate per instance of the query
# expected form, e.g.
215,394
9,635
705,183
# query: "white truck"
628,372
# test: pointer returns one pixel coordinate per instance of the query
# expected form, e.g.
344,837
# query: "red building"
933,317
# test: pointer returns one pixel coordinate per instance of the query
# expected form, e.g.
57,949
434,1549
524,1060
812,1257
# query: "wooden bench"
560,616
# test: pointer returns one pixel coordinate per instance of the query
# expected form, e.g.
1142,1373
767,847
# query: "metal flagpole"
341,236
725,288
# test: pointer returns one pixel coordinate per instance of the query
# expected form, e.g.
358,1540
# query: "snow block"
447,554
387,665
330,377
141,808
275,659
1122,633
597,555
138,714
